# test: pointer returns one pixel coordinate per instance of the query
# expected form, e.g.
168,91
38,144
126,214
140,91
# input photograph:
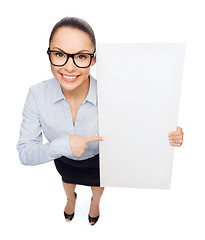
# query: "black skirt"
83,172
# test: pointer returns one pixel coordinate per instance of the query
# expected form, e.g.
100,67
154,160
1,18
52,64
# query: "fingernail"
102,138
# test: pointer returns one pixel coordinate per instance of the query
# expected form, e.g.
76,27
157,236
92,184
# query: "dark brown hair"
74,22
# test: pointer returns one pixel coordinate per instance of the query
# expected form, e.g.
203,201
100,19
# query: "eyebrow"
77,52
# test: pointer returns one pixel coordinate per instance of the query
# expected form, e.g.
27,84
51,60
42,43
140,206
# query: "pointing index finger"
94,139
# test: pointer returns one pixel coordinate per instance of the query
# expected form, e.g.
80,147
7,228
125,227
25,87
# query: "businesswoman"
65,108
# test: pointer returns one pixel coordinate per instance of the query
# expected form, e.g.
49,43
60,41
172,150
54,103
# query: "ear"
93,61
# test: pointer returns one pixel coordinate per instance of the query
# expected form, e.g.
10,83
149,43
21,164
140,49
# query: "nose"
70,66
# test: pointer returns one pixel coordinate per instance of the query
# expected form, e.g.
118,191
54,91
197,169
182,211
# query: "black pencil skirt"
83,172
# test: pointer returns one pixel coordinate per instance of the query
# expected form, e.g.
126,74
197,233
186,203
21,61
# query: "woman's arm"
30,146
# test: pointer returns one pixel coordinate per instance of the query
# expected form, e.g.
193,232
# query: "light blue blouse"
46,110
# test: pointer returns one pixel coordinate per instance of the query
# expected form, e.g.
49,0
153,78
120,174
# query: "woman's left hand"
176,137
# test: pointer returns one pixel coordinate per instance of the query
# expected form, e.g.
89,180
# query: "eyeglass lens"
59,58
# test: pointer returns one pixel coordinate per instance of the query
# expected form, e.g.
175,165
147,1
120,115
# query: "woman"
66,109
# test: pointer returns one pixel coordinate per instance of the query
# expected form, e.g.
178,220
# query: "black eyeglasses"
60,58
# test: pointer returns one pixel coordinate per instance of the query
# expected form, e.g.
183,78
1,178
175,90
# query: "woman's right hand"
79,144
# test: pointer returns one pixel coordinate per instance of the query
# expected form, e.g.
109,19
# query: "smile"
69,78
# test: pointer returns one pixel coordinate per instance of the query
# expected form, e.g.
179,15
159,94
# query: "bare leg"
69,190
94,206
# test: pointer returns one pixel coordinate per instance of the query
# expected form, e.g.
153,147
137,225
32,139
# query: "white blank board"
138,101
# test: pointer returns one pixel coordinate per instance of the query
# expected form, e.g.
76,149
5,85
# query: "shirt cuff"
61,147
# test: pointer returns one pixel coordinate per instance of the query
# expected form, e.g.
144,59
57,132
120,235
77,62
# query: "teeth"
69,77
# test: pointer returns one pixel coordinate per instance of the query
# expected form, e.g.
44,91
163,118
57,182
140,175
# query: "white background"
32,198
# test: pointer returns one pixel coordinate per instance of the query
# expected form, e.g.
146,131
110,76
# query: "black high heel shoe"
70,216
93,219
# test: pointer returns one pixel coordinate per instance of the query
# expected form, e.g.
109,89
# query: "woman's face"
71,40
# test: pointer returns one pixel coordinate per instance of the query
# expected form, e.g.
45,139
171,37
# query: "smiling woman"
65,109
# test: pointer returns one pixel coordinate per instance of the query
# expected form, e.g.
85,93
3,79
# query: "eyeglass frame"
92,55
